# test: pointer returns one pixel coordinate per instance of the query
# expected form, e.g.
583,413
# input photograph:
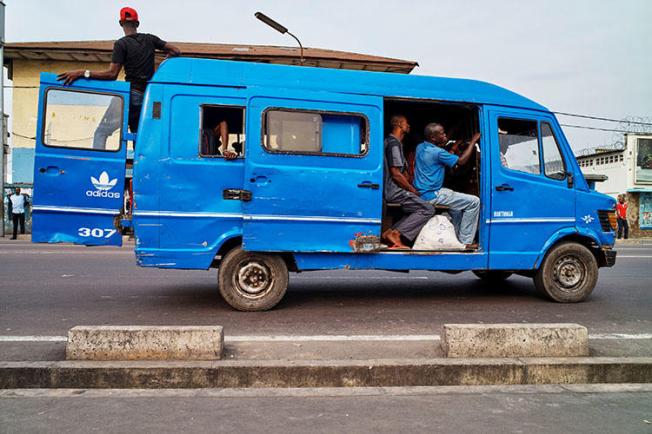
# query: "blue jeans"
463,209
111,120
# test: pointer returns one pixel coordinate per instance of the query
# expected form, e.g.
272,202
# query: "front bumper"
609,257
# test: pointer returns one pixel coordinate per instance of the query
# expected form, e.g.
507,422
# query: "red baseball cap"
128,14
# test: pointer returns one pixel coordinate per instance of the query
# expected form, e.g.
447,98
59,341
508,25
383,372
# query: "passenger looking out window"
222,132
214,138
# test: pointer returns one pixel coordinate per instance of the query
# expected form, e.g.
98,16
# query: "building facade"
26,60
629,172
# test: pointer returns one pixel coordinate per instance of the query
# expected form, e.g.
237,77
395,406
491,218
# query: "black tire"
493,276
568,273
251,281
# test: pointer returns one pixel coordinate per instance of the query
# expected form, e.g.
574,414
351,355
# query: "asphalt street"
487,410
47,289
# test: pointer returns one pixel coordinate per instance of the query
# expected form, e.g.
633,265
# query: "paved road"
47,289
486,410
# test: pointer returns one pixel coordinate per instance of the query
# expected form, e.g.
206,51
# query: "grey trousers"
417,213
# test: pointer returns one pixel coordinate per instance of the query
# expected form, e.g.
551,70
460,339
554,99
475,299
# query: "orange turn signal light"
612,220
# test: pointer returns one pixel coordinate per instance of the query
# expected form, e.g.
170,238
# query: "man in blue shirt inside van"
430,167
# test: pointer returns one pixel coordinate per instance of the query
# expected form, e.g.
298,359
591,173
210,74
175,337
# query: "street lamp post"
279,28
3,133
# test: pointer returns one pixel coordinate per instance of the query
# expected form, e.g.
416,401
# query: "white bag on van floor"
438,234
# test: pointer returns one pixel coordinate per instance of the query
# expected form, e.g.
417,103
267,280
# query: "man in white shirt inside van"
18,201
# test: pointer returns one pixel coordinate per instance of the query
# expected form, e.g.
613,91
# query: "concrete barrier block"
145,343
515,340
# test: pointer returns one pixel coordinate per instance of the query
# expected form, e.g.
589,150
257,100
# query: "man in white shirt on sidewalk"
18,202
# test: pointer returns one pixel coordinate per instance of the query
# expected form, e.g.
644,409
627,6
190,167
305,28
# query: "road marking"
303,392
331,338
624,336
359,277
33,338
633,256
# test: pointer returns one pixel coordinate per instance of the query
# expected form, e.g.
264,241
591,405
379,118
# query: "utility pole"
3,133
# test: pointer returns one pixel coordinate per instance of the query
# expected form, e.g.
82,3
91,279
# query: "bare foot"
473,246
394,239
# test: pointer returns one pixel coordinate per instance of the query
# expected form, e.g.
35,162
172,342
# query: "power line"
603,119
604,129
24,137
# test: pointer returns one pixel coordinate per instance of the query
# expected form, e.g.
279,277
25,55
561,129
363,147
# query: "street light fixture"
279,28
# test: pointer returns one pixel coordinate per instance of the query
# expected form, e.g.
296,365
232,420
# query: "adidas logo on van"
102,186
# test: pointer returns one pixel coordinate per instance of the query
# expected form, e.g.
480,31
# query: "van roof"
209,72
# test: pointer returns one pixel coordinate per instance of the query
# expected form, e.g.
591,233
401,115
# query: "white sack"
438,234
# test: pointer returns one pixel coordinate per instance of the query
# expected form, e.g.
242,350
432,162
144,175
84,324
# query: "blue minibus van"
305,191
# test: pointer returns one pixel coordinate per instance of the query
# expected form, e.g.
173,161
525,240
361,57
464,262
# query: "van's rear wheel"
568,273
252,281
492,276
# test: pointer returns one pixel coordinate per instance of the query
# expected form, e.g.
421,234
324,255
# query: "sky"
576,56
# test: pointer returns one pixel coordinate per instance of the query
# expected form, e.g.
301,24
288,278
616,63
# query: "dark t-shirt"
136,53
393,158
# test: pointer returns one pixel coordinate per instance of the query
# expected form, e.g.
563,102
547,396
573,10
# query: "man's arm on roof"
118,57
160,44
109,74
171,50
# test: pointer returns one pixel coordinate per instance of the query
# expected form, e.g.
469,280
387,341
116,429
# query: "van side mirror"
569,179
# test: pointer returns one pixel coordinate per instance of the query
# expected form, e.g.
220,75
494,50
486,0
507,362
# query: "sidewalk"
285,364
634,242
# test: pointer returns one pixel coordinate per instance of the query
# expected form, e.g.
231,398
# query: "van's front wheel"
568,273
251,281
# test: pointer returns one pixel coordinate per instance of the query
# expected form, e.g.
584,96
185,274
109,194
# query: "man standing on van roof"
135,51
431,163
399,190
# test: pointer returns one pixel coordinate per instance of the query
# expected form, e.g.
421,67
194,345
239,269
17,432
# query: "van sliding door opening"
459,120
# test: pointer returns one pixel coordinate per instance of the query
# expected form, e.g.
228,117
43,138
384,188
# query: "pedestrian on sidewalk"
17,204
621,217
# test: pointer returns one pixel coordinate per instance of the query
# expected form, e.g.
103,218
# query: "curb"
334,373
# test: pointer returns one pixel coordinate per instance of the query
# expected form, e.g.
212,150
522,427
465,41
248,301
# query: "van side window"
305,132
519,145
82,120
222,129
553,163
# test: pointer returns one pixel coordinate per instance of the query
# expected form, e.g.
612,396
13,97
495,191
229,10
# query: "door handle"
504,187
51,170
370,185
260,180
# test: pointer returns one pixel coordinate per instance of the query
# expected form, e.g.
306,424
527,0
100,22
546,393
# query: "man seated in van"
216,137
398,189
431,163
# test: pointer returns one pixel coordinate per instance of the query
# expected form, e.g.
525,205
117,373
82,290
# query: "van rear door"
79,167
313,171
